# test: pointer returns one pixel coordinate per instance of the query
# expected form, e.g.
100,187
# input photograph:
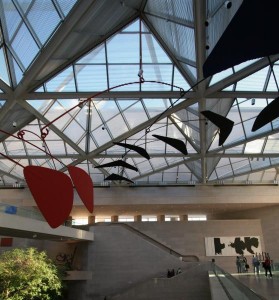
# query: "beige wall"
269,218
163,195
188,238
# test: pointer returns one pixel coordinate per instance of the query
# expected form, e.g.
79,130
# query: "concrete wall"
269,223
191,284
188,238
120,259
161,195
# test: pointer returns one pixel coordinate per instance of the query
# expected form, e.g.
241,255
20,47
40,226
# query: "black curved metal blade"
118,163
138,149
268,114
117,177
175,143
225,125
249,35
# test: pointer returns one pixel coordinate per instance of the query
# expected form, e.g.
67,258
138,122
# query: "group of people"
242,266
172,273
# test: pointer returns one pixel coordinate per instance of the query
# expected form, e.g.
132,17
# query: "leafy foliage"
28,274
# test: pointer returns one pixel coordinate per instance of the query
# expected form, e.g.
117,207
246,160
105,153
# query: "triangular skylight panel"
230,71
117,62
245,64
195,167
231,167
188,121
29,24
273,80
175,34
271,144
254,82
262,176
40,89
220,76
63,82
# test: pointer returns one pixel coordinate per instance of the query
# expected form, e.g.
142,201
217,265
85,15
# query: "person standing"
256,264
267,267
238,264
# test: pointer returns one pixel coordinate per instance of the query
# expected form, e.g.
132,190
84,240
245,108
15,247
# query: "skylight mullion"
93,138
241,120
145,109
122,114
58,9
27,23
106,60
75,77
16,58
88,127
7,62
27,154
268,75
5,27
184,135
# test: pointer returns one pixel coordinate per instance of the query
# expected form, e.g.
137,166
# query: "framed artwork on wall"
232,246
6,242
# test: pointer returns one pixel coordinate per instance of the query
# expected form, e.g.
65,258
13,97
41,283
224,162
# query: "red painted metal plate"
84,186
52,191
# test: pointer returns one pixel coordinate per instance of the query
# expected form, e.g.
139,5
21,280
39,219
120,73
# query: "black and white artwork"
232,246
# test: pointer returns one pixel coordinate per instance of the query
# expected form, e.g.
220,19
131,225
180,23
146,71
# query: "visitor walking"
267,267
238,264
256,264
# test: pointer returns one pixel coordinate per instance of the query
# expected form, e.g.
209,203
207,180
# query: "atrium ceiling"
89,74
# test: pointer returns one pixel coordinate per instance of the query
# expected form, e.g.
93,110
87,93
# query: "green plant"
28,274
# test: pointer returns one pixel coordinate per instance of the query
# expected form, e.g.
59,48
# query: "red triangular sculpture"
83,185
52,191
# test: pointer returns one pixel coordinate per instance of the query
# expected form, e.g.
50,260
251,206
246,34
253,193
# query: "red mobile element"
83,185
52,191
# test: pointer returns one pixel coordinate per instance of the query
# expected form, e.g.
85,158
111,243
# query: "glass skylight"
126,106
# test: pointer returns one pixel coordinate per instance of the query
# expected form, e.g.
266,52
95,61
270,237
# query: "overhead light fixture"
228,4
140,73
207,21
80,103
